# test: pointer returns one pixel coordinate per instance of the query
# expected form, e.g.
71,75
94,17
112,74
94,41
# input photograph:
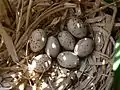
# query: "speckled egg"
77,28
68,59
84,47
37,40
53,47
67,41
41,63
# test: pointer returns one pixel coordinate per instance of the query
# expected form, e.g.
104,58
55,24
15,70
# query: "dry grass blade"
18,6
3,13
28,13
103,24
95,19
9,44
10,69
19,23
55,21
84,84
8,6
9,30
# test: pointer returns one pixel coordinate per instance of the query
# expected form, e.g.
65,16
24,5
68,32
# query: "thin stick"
28,13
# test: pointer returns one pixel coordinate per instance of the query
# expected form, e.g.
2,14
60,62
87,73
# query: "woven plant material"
21,17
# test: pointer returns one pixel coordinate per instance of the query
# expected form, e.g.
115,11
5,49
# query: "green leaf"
116,65
109,1
116,55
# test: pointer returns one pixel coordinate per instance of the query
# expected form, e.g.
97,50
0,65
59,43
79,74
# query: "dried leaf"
9,44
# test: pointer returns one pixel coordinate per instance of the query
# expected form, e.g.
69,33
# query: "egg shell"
67,41
41,63
52,47
68,59
77,28
38,40
84,47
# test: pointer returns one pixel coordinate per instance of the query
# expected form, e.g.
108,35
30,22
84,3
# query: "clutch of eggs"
72,50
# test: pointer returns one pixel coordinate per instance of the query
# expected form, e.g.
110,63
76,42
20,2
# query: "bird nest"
19,18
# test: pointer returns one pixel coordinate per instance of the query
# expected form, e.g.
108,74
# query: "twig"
28,13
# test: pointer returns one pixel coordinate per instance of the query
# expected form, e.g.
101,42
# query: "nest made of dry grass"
20,17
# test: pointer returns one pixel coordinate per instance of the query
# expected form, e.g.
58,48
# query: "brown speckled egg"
52,47
84,47
37,40
77,28
68,59
67,41
41,63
